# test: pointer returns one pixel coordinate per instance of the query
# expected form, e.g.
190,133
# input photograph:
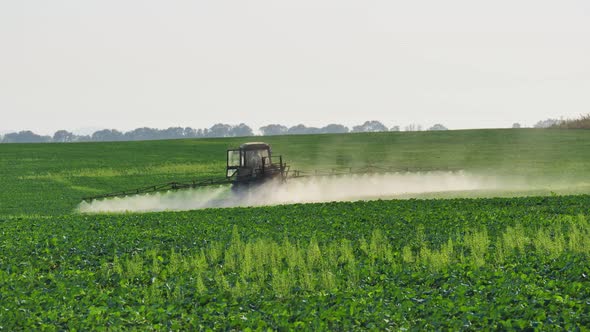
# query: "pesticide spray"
303,190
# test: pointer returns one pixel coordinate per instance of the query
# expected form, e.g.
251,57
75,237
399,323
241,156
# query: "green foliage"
422,264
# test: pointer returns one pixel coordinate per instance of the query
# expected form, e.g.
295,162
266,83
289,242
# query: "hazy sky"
68,64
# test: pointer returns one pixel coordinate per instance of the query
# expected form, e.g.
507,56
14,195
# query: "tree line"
582,122
217,130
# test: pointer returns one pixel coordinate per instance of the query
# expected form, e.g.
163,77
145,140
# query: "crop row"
503,263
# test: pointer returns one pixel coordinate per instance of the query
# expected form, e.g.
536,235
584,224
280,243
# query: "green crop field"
420,264
50,179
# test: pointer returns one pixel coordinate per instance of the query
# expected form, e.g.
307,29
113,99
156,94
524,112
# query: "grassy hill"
50,179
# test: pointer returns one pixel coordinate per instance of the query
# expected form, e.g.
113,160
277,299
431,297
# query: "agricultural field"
459,264
50,179
456,263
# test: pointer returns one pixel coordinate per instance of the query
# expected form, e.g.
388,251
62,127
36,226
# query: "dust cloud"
303,190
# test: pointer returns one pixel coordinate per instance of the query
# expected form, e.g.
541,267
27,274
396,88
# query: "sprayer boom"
161,188
252,164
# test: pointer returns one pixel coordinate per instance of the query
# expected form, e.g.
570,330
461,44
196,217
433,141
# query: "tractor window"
254,158
266,155
230,172
233,158
233,162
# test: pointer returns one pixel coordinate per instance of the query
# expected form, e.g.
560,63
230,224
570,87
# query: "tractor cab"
252,162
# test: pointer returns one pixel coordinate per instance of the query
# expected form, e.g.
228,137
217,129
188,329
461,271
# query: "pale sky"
68,64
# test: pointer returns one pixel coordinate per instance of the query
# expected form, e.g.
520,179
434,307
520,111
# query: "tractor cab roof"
254,146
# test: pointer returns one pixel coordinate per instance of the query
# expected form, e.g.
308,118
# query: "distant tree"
189,132
582,122
438,127
334,129
26,136
63,136
241,130
202,132
107,135
171,133
394,128
219,130
547,123
82,138
516,125
369,127
142,134
273,129
299,129
313,130
413,127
